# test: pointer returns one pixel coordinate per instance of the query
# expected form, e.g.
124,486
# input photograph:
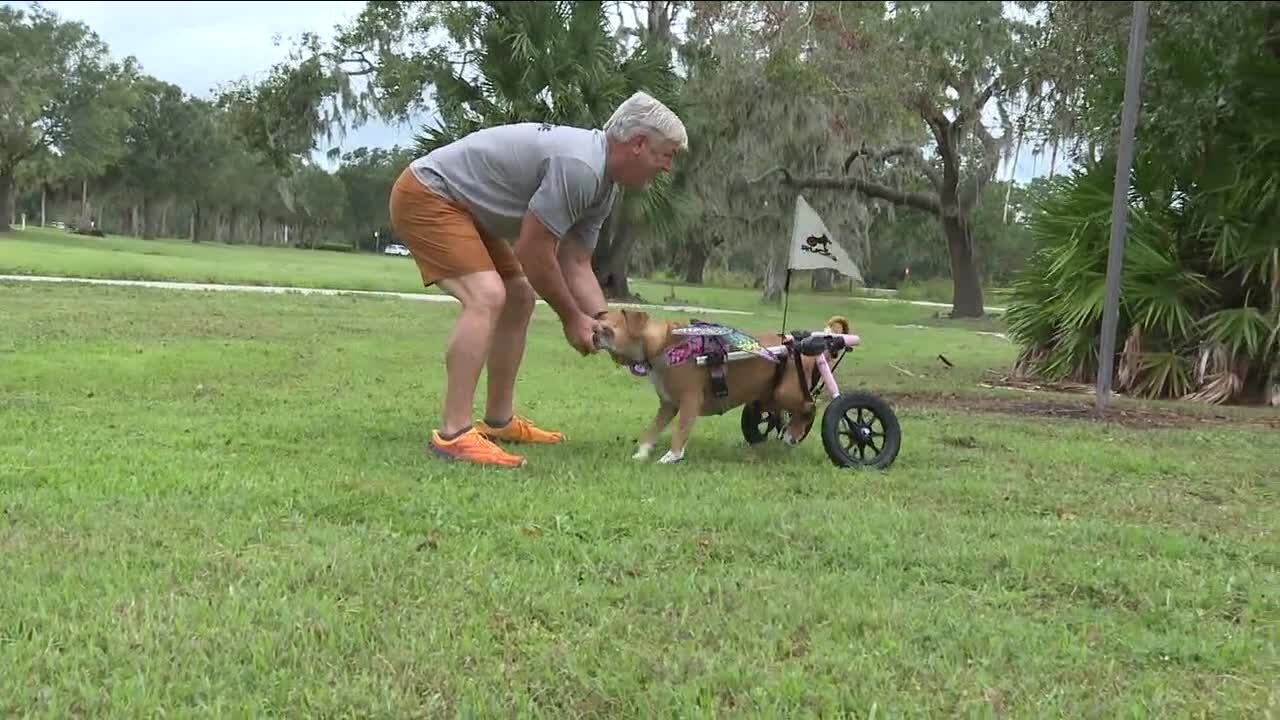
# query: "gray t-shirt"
499,173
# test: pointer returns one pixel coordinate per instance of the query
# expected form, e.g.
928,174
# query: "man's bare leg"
483,296
507,351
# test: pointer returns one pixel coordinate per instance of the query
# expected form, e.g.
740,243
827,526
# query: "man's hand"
580,332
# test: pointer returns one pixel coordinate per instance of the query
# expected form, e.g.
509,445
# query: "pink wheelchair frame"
844,440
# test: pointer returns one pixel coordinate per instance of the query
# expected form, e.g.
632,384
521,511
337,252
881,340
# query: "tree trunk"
1271,21
774,277
6,198
613,251
613,268
84,204
660,17
823,280
695,264
148,211
43,192
966,299
195,223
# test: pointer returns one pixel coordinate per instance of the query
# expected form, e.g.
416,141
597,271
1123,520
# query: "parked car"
396,249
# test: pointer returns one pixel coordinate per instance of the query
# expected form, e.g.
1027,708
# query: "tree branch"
920,201
367,67
991,148
986,95
904,151
972,112
930,112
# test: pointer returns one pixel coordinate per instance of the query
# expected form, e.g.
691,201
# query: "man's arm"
575,260
536,251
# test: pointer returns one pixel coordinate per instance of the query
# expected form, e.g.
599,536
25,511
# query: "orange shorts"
442,236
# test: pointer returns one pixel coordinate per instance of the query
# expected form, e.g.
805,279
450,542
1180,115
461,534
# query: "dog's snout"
603,337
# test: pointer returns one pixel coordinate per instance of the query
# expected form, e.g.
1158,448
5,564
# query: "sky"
200,45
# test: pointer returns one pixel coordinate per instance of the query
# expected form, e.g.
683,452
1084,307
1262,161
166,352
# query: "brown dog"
686,390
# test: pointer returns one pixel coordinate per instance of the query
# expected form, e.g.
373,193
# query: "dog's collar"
641,368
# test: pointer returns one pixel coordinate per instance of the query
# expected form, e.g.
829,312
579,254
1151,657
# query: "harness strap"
804,384
778,369
716,364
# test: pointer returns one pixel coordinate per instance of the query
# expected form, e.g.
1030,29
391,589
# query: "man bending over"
550,189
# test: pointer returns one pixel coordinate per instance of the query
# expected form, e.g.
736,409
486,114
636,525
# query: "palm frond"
1166,374
1243,331
1130,365
1219,376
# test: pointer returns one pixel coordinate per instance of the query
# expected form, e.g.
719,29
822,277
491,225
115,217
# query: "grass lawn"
59,253
219,503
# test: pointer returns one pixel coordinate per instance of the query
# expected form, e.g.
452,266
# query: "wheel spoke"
858,431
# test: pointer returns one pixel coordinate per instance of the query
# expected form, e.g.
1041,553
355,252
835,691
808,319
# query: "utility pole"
1120,201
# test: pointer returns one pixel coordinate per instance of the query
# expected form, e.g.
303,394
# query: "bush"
335,247
1200,289
1198,319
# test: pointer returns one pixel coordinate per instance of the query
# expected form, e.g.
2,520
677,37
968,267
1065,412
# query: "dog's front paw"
671,457
642,452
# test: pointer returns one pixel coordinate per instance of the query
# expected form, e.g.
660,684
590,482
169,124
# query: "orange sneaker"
520,430
473,447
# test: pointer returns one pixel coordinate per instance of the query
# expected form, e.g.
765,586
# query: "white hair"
644,114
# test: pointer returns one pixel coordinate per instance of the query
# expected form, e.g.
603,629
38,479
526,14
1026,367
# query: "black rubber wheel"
861,430
757,426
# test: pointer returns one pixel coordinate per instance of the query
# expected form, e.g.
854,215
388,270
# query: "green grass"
219,504
59,253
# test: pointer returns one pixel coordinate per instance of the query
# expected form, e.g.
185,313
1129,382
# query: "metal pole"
1120,201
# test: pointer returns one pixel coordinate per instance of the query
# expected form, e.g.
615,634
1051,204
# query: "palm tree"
1200,304
553,62
1200,290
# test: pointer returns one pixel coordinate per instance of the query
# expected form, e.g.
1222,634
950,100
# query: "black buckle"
716,361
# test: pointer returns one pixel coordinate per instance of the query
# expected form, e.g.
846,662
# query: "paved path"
929,303
167,285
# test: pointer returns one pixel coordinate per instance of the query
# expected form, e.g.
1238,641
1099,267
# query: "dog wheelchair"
859,429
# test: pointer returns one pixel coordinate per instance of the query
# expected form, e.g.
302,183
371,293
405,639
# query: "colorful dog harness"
703,338
715,342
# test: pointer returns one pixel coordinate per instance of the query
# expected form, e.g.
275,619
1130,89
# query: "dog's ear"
838,324
634,321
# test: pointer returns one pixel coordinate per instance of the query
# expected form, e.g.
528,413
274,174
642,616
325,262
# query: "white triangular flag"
813,247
